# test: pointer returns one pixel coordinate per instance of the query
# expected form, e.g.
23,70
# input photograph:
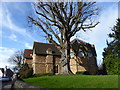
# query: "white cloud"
0,24
13,37
5,54
27,45
0,37
8,23
99,34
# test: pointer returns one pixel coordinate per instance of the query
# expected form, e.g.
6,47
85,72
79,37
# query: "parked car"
5,78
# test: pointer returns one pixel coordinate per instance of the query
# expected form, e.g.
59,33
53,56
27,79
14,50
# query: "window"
72,55
90,54
81,54
49,51
56,69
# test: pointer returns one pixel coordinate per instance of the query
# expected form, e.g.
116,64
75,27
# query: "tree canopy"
17,60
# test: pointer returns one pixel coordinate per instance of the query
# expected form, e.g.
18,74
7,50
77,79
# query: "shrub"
86,73
80,73
83,73
112,63
42,74
25,72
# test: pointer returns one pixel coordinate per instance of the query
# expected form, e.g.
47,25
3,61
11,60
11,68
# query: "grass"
75,81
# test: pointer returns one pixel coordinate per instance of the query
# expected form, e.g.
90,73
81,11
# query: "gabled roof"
85,45
78,41
41,48
28,53
81,42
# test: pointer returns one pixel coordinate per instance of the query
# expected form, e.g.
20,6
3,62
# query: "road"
7,85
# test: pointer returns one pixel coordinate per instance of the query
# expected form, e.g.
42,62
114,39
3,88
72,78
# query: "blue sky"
15,33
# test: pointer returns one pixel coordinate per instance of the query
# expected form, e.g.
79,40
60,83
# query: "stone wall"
49,64
39,64
45,64
29,62
92,65
58,63
87,64
22,85
34,60
40,68
75,67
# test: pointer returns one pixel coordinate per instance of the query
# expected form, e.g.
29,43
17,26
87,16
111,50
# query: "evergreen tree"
111,54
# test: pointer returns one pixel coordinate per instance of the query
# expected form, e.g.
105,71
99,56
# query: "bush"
80,73
83,73
42,74
112,63
86,73
26,72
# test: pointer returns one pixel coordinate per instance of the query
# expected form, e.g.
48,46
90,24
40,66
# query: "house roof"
27,53
78,41
85,45
41,48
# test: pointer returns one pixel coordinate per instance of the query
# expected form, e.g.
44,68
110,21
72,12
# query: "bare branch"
16,58
65,18
90,26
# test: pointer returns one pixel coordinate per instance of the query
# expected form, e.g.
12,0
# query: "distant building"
45,58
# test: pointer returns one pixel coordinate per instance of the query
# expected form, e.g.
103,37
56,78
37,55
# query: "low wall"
22,85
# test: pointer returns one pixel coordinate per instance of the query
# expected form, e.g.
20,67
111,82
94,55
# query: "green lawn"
75,81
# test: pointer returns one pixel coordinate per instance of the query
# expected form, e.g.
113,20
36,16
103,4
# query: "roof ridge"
79,40
28,49
43,43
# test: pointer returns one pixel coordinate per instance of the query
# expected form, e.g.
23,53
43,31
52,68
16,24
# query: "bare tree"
16,59
61,20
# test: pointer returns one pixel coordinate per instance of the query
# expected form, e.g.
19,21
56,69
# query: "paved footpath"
7,85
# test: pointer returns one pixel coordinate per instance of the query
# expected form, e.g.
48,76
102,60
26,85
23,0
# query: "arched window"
49,51
80,54
90,54
72,55
56,69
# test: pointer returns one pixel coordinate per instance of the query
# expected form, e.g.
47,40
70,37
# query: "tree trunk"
65,59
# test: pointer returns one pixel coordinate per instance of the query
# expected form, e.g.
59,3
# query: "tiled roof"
81,42
41,48
85,45
78,41
28,53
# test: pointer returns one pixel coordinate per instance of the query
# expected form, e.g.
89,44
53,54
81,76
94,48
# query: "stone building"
28,57
83,57
45,58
